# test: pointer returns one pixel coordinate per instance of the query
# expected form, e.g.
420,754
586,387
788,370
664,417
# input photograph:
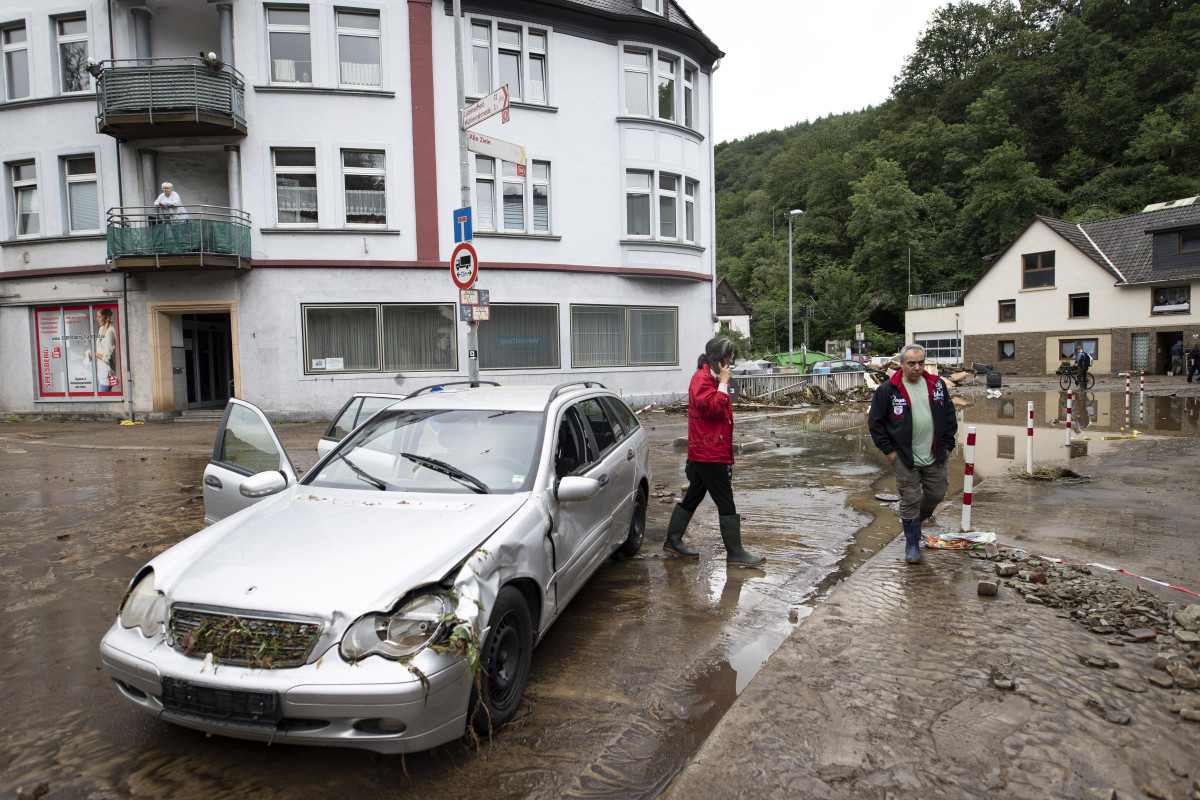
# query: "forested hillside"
1077,109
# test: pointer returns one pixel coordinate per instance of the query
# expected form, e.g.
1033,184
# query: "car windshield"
426,450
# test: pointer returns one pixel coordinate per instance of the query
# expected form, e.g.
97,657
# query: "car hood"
319,551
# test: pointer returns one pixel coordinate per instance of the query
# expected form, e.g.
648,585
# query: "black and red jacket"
890,418
710,420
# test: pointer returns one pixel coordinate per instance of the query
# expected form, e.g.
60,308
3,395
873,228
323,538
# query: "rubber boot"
912,540
731,534
680,518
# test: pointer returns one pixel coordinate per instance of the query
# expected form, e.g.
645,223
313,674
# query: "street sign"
481,313
464,266
481,109
474,297
496,148
462,224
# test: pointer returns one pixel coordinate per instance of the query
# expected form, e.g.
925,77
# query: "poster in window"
51,353
78,351
107,351
77,323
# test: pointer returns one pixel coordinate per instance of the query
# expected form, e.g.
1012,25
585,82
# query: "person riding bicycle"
1082,362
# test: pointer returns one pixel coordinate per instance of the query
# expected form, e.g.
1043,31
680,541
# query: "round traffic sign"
464,265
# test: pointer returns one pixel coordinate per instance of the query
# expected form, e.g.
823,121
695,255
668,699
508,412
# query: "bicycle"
1067,375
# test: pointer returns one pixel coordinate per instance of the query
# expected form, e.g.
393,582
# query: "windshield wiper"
362,473
449,469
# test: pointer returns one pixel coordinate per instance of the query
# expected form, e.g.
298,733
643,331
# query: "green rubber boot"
731,534
680,518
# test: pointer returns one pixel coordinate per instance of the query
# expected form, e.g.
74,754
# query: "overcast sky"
787,61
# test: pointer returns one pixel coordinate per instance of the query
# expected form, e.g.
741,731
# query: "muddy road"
624,688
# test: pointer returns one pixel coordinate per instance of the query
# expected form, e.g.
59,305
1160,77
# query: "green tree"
1006,192
885,226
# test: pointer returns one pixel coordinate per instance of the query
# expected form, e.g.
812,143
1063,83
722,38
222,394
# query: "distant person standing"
709,467
1177,358
169,205
1193,363
912,422
1082,362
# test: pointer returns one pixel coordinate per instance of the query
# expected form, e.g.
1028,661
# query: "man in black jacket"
912,421
1193,362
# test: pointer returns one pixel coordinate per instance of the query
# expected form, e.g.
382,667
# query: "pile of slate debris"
1121,614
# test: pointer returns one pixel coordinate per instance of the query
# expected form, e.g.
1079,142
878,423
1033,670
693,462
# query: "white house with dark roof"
731,310
319,157
1122,288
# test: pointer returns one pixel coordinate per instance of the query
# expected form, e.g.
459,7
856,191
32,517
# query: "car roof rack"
557,390
440,386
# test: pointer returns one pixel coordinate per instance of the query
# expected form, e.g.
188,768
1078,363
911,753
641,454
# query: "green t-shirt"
922,423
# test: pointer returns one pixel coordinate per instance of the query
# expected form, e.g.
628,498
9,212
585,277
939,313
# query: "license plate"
220,705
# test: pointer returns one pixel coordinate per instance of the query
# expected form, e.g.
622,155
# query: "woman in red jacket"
709,467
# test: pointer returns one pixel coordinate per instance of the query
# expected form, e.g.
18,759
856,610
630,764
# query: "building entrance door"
208,359
1166,341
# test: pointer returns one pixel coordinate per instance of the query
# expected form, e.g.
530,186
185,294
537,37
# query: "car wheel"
504,662
637,526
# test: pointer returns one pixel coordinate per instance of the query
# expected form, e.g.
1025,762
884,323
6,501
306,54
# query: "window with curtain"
348,333
485,193
358,48
658,193
370,337
365,180
519,337
419,337
83,204
637,202
16,62
289,41
73,55
296,185
25,199
618,336
513,188
509,54
522,201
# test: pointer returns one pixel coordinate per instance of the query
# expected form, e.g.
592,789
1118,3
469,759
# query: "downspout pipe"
128,378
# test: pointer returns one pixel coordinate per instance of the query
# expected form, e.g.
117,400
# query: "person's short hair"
168,185
716,350
907,347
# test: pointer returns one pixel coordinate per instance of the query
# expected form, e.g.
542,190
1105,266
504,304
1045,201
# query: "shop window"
619,336
78,352
519,337
370,337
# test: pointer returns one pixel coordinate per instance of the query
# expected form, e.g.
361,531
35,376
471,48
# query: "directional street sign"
462,224
464,266
496,148
480,110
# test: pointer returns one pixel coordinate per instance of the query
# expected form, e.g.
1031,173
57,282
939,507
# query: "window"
1189,241
653,6
620,336
519,337
289,45
939,346
1008,310
73,54
1079,305
78,352
671,101
83,204
358,48
1008,350
1171,300
520,188
676,220
25,199
296,185
1066,348
1006,447
509,54
16,62
389,337
364,179
1038,270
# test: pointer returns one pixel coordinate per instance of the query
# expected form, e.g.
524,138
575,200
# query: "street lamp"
795,212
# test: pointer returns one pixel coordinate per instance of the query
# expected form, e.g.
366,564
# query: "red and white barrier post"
1068,419
645,408
1127,379
1029,440
969,477
1142,386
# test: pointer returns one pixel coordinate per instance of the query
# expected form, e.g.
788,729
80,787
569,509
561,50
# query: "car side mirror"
573,487
264,484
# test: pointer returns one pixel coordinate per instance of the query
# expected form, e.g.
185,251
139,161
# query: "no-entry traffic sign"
464,266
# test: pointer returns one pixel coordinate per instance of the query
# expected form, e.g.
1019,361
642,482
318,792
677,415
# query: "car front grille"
243,639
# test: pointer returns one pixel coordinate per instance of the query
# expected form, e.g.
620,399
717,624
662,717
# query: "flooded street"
625,686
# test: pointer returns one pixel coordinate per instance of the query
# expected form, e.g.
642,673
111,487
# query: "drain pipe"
112,54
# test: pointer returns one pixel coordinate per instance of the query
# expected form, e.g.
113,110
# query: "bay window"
658,84
508,54
671,199
510,197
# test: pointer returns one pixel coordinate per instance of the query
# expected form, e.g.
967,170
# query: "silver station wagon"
392,597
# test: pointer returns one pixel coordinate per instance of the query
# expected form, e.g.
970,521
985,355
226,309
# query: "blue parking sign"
462,225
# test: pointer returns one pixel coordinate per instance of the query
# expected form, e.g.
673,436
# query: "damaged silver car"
392,597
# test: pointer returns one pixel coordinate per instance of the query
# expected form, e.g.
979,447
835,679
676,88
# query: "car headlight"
398,634
144,607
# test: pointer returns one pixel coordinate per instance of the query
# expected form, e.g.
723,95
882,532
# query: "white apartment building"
317,152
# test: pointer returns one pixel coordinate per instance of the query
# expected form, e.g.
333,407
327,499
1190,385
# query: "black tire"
637,526
1091,381
1064,381
504,662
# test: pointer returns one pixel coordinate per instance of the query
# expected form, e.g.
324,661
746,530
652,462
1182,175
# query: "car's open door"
246,445
357,410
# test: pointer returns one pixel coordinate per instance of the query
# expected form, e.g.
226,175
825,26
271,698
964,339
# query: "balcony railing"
203,237
936,300
148,97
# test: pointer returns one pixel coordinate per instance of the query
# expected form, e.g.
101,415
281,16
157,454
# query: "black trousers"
709,478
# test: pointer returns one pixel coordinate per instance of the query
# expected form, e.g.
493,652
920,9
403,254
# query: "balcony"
936,300
211,237
147,98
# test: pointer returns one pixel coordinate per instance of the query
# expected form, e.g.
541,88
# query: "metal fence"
165,86
767,387
935,300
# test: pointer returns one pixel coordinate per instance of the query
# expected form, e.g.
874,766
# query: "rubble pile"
1109,609
814,395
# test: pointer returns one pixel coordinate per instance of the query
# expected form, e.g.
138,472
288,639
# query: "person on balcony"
169,206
